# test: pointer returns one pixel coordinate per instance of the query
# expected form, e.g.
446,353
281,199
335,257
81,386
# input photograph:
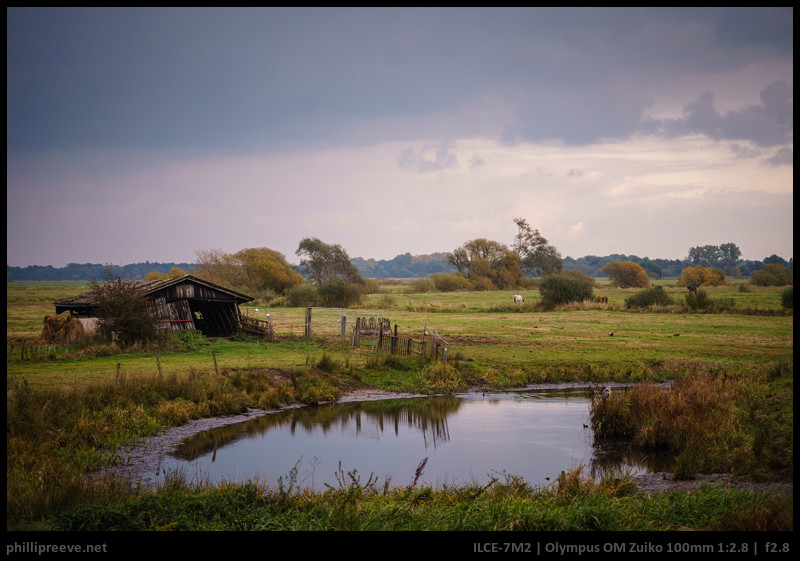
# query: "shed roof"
151,288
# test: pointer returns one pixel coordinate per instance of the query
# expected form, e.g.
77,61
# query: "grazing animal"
518,299
606,393
601,300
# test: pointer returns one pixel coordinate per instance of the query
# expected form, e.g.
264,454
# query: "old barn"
185,302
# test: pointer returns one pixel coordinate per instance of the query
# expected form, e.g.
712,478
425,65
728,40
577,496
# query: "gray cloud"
768,124
248,78
429,158
784,156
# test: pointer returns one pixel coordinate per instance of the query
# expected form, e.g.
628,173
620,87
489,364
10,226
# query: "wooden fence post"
308,322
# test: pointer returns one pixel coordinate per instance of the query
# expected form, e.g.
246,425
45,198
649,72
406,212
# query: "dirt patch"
663,482
476,340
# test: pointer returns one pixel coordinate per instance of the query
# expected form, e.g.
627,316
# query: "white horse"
518,299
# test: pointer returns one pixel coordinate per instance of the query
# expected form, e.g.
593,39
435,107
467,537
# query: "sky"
149,134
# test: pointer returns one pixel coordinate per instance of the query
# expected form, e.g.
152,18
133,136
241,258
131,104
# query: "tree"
267,269
697,276
250,270
487,264
122,313
537,256
220,268
627,274
730,256
324,262
706,255
725,256
459,259
337,279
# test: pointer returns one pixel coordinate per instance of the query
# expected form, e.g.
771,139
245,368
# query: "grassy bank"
730,411
572,504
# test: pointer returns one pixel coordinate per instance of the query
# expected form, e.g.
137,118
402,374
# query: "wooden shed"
185,302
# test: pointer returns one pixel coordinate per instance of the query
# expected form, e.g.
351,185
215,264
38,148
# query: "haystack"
57,328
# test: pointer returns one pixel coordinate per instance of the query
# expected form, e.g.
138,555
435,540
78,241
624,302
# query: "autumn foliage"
697,276
252,271
627,274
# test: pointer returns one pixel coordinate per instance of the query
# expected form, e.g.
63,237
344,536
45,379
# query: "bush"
338,293
190,339
564,289
371,286
449,282
626,274
694,277
787,298
773,274
420,286
301,296
482,283
122,312
698,300
653,296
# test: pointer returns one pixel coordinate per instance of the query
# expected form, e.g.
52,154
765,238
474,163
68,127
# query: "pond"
458,440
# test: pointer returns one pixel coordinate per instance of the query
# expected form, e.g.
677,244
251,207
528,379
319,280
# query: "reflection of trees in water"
428,415
610,457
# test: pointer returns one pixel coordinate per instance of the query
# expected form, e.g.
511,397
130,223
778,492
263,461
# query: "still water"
463,440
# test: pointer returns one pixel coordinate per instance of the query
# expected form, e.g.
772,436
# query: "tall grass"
573,503
715,421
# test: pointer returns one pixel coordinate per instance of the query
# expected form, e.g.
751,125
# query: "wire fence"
364,331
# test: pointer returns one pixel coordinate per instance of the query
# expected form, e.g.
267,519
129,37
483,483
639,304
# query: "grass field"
485,330
68,412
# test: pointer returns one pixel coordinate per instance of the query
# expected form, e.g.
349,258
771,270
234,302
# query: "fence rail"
362,330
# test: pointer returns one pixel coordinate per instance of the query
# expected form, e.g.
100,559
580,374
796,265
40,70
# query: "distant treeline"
88,271
405,266
420,266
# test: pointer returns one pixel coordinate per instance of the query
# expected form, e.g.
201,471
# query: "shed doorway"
214,319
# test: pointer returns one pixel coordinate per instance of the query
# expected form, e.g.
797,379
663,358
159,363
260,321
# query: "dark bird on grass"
606,393
611,334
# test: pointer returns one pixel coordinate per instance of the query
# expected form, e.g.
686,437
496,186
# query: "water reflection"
466,439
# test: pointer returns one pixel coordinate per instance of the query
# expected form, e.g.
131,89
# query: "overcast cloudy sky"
149,134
